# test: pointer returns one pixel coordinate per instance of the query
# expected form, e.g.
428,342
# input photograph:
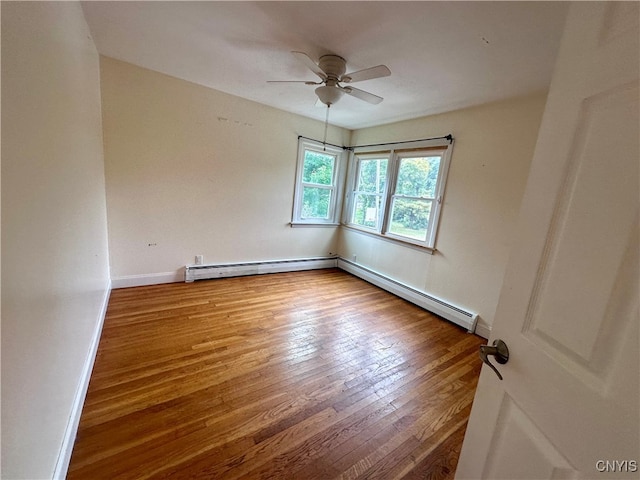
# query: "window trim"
353,191
336,188
394,155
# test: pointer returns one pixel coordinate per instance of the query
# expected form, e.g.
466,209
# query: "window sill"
312,224
387,238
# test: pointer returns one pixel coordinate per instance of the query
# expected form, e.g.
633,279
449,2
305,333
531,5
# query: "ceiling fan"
331,70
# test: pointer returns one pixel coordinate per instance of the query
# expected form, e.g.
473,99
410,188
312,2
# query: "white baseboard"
62,464
147,279
483,330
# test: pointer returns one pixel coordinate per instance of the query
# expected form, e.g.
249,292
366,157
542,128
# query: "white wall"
489,166
193,171
55,274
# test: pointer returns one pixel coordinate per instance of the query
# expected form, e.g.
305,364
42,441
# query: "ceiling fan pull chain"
326,124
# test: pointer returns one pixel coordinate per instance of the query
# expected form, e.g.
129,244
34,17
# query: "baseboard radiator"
433,304
206,272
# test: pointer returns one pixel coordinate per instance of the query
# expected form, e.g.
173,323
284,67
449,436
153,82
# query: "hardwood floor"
305,375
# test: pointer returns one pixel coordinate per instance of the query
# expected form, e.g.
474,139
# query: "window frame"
354,192
396,153
335,188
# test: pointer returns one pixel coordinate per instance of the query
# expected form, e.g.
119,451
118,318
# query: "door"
568,406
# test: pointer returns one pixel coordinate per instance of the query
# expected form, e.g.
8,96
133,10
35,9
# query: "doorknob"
498,350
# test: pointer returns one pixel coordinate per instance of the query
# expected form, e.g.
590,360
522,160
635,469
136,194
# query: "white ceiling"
442,55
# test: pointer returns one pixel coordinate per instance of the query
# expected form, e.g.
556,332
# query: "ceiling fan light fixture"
330,68
329,95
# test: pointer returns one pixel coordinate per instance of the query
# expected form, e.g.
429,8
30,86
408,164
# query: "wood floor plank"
312,374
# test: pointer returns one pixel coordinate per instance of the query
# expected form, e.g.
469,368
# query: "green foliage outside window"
317,169
417,178
410,218
315,202
372,178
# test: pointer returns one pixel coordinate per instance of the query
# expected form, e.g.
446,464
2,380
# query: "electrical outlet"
355,257
199,259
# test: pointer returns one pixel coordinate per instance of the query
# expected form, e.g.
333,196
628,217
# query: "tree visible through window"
319,177
372,178
414,196
398,193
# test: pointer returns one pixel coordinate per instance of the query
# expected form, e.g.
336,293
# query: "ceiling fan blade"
306,82
362,95
366,74
311,65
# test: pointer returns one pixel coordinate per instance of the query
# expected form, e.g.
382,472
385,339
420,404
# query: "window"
319,178
398,193
369,190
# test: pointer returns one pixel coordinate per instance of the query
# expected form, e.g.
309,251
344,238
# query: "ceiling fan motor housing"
333,65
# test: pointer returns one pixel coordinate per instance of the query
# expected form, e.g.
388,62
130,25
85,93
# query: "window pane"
417,177
410,217
373,175
318,167
315,202
366,210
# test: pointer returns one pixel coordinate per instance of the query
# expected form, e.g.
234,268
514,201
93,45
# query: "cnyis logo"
617,466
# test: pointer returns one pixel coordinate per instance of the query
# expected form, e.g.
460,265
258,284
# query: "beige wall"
193,171
55,274
489,167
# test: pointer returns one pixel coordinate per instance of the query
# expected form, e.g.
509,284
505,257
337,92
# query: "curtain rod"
446,137
324,143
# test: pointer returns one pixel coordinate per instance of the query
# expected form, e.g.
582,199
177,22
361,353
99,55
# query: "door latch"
499,350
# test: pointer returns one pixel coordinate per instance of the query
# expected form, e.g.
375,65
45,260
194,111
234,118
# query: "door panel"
589,241
569,405
514,433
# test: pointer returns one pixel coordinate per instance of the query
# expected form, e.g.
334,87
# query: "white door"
569,406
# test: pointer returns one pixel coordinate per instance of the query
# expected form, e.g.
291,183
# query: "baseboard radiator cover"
433,304
207,272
